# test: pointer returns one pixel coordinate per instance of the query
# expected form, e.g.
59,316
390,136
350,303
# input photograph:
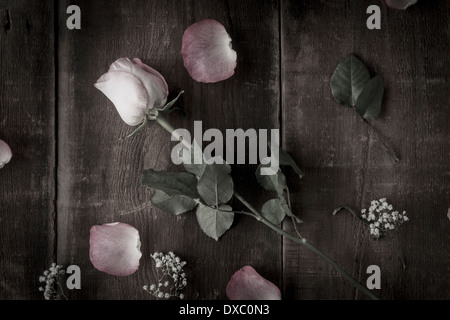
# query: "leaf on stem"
214,222
275,182
287,160
368,104
273,211
348,80
189,157
171,183
174,205
216,185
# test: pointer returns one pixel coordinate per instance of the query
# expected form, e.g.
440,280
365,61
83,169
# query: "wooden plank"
346,166
99,176
27,124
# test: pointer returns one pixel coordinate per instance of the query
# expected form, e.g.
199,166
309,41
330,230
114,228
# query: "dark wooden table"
70,171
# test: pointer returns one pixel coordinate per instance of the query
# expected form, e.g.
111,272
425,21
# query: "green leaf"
214,222
288,211
287,160
275,182
172,183
273,211
369,101
348,80
174,205
195,169
216,185
168,107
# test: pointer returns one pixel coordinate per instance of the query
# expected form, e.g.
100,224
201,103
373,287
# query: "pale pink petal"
399,4
207,52
115,248
5,153
152,80
126,93
247,284
162,81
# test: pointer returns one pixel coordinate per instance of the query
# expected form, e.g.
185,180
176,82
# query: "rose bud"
115,248
207,52
399,4
247,284
134,88
5,154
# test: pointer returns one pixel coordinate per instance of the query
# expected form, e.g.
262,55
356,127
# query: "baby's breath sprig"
50,278
382,217
171,279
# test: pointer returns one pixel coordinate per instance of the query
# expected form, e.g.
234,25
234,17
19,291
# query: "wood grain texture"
287,51
27,210
344,165
99,176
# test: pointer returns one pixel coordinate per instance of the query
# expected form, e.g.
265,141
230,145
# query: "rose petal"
152,80
207,52
5,153
247,284
126,93
115,248
399,4
155,73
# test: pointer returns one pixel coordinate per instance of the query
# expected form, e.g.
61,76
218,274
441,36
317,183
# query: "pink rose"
134,88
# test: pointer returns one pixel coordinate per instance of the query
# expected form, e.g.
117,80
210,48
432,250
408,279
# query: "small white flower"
160,295
166,284
405,218
152,287
181,296
167,296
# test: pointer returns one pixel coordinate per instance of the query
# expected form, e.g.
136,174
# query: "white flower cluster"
382,217
50,277
170,274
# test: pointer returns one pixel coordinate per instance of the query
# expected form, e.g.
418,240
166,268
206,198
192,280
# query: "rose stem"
383,141
305,243
166,125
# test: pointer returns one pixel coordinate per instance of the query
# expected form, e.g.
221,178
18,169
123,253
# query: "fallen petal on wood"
115,248
5,153
207,52
399,4
247,284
